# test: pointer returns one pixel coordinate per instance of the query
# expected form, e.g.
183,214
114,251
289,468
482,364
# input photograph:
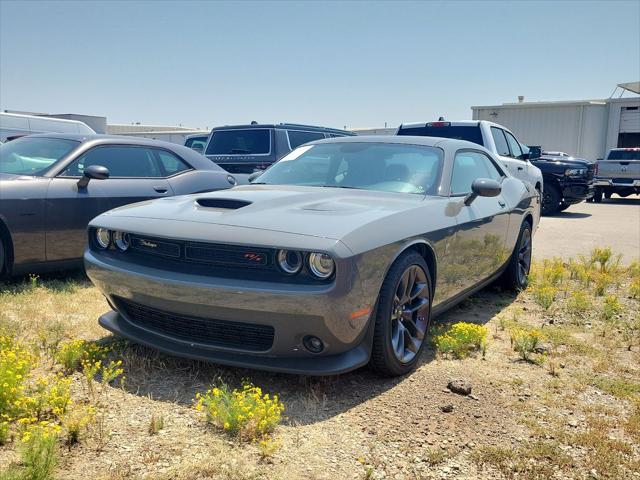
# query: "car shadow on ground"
622,201
161,377
568,215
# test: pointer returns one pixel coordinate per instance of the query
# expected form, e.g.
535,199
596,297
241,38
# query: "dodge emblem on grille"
148,244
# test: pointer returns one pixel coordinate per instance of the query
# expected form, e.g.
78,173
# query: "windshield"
368,166
33,155
251,141
468,133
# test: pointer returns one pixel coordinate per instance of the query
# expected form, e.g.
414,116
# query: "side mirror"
483,187
534,152
255,175
95,172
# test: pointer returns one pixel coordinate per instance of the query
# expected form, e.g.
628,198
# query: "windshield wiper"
341,186
240,150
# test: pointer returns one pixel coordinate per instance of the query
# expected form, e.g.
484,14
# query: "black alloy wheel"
402,316
2,256
409,314
524,256
515,276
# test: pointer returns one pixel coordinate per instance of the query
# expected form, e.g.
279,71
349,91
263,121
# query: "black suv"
247,148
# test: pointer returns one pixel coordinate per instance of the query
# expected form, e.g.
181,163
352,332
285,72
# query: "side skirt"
453,301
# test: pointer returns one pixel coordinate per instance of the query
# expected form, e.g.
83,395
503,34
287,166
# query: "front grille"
206,331
204,253
227,255
154,246
210,259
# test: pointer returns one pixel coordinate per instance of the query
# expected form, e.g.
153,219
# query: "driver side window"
123,162
469,165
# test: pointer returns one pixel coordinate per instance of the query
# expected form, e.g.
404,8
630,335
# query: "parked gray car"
338,255
51,185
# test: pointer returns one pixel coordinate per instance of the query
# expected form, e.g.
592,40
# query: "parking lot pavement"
614,223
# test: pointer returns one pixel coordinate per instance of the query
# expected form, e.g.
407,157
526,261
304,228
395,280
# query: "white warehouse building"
585,129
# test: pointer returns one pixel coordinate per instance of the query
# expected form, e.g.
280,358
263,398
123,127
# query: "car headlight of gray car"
321,265
290,261
102,237
122,241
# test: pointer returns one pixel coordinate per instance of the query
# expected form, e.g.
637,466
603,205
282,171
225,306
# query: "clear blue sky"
358,64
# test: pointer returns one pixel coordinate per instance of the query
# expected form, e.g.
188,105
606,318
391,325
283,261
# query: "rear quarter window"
299,137
469,133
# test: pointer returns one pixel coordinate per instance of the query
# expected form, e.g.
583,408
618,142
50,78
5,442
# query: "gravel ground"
614,222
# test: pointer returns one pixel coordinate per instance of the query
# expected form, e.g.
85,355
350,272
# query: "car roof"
99,138
403,140
197,160
454,123
289,126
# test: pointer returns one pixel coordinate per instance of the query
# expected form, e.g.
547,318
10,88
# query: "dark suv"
247,148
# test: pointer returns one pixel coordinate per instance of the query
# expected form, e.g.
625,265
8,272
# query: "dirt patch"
570,413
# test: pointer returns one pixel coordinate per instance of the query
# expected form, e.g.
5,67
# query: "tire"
597,196
607,195
563,206
515,277
3,256
550,200
399,339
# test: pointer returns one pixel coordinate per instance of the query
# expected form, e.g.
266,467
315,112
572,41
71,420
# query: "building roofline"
559,103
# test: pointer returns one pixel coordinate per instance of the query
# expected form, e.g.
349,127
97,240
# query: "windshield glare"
368,166
33,156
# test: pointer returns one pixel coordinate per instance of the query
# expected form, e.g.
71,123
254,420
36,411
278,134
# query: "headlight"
122,241
321,265
103,238
289,261
575,172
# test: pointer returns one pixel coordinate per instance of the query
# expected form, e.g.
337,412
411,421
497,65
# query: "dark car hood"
564,161
313,211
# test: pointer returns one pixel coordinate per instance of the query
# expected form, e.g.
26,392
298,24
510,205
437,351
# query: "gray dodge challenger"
337,256
51,185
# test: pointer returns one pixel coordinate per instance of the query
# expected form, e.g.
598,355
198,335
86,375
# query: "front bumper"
294,311
577,192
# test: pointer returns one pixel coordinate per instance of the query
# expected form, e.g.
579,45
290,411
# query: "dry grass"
575,410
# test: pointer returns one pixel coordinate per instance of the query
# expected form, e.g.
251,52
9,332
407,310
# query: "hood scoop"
222,203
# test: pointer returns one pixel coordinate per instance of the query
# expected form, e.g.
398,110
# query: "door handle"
520,168
160,189
501,203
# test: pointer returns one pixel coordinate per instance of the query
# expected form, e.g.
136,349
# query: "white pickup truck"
618,173
495,138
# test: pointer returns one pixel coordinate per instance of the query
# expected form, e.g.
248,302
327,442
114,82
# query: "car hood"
567,162
313,211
